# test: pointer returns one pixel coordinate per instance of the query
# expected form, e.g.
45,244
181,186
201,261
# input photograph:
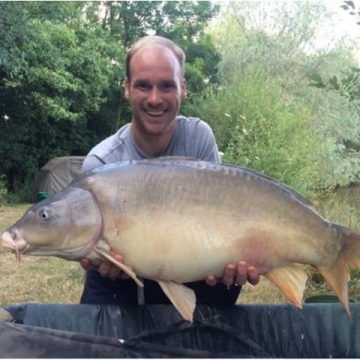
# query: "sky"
345,24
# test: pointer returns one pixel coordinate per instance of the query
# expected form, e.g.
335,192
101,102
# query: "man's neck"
151,145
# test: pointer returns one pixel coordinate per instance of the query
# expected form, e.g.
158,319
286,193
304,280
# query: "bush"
255,127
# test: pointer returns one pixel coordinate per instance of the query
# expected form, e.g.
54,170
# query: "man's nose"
154,97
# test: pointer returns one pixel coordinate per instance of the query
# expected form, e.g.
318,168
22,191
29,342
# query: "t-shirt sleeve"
91,161
99,154
204,143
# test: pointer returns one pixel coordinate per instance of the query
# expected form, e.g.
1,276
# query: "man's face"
155,89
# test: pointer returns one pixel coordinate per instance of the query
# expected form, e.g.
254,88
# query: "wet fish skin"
178,220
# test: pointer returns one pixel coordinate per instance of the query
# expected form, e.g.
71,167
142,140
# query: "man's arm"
203,144
91,162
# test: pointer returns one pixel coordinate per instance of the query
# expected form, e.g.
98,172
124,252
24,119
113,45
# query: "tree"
279,44
344,82
45,98
348,82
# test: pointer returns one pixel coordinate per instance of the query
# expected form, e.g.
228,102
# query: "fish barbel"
177,220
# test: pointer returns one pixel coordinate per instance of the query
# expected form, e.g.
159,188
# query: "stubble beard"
147,129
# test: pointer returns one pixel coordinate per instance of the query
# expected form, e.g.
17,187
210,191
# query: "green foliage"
347,82
282,42
343,88
44,103
67,76
348,85
202,61
256,127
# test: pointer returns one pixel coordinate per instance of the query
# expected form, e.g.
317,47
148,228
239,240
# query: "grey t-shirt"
193,137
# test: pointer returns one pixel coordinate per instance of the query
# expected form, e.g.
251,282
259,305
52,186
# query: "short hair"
155,40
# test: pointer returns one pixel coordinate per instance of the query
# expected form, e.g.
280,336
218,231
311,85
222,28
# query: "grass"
52,280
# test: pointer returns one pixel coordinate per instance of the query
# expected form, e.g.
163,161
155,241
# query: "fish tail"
338,275
351,247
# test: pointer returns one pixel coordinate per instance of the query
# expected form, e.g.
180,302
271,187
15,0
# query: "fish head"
67,225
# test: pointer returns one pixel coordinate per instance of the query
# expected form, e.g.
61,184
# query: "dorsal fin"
291,191
275,182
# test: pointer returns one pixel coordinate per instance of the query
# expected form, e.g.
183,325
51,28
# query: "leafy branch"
348,86
350,7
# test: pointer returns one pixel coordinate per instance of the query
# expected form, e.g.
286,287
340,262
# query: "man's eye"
168,86
143,86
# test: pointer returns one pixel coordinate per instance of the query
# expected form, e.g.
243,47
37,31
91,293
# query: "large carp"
178,220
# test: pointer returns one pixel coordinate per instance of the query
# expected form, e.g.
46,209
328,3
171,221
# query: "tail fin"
338,276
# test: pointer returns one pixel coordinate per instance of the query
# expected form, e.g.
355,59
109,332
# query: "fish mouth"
18,247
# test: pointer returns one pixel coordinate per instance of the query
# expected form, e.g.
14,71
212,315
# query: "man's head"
155,40
155,84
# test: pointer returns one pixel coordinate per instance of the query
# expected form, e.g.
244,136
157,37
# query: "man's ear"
183,94
127,88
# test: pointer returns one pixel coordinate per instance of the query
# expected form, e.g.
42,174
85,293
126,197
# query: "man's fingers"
115,273
104,268
238,274
107,269
253,276
87,265
241,273
229,274
116,256
84,263
211,280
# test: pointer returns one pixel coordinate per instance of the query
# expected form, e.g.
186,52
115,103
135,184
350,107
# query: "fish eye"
44,214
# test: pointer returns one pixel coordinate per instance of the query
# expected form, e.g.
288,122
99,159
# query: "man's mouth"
155,113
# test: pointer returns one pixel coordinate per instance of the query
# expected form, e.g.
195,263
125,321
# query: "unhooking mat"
95,331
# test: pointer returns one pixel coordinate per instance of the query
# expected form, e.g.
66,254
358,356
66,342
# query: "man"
155,87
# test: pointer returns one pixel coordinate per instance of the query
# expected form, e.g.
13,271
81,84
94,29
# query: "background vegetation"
280,91
280,99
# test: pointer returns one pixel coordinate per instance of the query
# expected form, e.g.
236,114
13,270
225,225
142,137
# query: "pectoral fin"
5,315
182,297
291,280
121,266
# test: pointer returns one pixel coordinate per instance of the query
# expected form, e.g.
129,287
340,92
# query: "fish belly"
185,249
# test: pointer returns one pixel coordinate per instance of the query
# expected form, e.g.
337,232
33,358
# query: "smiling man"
155,86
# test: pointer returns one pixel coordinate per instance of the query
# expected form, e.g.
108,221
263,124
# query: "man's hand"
106,268
236,274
